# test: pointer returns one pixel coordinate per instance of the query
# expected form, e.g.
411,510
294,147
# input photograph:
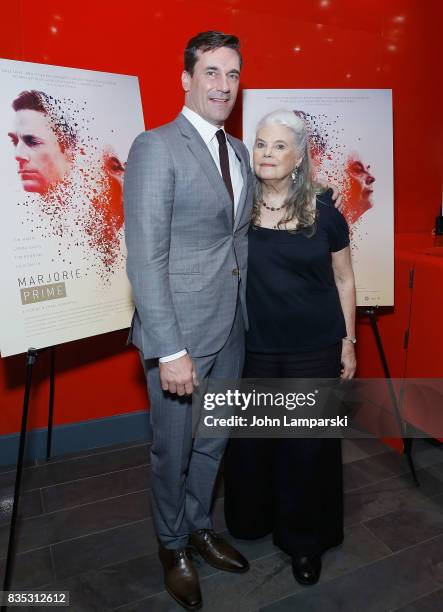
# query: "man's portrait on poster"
73,182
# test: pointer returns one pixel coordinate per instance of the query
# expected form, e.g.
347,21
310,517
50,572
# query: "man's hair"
208,41
30,100
43,103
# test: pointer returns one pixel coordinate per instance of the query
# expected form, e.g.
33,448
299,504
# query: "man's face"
212,90
41,162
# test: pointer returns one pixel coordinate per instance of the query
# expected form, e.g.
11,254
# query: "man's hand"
178,376
335,190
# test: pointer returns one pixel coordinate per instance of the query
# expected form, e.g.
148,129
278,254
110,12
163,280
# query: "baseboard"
77,437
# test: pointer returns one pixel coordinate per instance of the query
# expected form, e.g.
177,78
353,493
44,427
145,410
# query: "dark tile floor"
86,527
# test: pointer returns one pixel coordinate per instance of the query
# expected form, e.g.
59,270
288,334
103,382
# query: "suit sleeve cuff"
174,356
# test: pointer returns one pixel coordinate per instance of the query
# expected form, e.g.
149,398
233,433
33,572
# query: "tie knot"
221,137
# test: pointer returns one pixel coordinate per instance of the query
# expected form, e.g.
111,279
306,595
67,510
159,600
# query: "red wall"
344,43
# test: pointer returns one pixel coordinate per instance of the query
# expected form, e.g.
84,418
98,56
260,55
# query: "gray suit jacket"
183,250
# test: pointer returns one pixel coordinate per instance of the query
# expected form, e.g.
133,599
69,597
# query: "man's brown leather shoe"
181,578
217,552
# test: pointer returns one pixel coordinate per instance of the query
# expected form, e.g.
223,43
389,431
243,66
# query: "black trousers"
290,487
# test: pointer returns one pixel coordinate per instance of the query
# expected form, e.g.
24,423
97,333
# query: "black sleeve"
337,227
339,232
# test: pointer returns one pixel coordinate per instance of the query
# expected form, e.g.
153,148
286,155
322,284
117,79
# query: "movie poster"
350,134
64,138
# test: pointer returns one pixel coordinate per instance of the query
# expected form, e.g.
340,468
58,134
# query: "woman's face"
360,179
357,193
275,154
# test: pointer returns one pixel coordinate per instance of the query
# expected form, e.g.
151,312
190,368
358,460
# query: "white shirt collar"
204,128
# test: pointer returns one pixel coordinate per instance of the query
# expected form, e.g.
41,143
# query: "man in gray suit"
188,200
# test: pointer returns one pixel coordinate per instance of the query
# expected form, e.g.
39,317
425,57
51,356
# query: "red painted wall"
364,44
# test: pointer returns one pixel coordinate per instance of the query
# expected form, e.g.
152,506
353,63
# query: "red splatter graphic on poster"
346,170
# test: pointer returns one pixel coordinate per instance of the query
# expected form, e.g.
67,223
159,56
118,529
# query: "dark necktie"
224,165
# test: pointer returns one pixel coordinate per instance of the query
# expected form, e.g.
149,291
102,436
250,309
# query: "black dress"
291,487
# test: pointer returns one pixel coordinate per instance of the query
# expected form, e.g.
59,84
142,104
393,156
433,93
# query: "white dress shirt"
207,131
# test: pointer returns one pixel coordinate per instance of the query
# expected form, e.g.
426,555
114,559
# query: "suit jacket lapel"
201,152
244,171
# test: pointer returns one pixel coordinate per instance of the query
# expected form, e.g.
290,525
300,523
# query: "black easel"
31,358
51,401
407,442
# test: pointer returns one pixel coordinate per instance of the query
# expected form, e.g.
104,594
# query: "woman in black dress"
301,306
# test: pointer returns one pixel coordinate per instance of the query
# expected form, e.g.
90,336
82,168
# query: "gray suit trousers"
184,469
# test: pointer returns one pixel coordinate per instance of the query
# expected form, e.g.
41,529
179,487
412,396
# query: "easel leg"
51,402
30,360
407,442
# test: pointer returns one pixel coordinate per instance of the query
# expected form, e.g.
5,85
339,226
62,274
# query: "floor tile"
7,468
371,446
387,463
351,451
436,470
105,548
253,549
415,522
161,602
389,495
427,455
134,579
377,587
433,602
103,589
381,466
78,522
29,505
110,448
94,488
354,477
31,570
270,577
81,467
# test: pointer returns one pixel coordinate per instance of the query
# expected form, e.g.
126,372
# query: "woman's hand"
348,360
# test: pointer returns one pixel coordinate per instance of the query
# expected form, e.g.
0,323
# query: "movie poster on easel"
351,146
65,135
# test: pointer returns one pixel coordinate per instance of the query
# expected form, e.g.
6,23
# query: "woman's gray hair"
302,191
